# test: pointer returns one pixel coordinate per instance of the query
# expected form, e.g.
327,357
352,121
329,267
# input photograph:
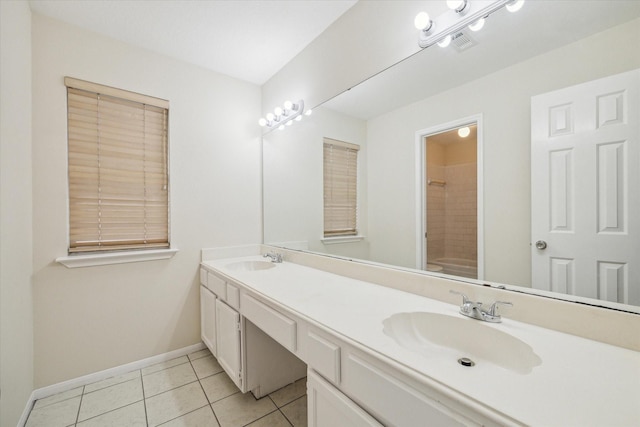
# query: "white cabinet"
254,360
229,342
327,406
208,318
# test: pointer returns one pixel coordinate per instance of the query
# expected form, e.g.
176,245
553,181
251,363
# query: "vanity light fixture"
459,6
423,22
515,5
284,115
446,41
461,14
477,26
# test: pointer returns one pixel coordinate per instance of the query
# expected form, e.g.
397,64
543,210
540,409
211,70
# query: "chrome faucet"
476,311
275,257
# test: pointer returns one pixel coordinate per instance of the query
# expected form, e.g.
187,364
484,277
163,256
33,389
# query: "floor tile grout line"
80,405
285,417
163,369
33,408
203,390
144,399
109,411
183,415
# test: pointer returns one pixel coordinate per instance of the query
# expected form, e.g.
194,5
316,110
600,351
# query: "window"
340,188
118,169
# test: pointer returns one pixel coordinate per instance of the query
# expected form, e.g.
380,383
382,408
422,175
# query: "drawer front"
323,356
217,286
329,407
276,325
203,277
233,296
383,394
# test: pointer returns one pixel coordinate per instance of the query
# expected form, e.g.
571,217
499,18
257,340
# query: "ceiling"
246,39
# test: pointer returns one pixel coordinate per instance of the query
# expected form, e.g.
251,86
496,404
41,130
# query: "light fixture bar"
284,115
452,22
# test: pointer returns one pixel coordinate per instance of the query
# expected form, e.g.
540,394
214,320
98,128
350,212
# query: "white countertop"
580,382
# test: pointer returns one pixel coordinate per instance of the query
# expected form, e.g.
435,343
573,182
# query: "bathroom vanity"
375,355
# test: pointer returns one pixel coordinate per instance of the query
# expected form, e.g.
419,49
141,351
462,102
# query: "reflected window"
340,188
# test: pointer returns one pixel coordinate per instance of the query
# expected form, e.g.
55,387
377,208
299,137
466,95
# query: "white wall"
504,100
293,181
94,318
368,38
16,310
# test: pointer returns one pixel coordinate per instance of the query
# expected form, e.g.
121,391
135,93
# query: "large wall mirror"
485,82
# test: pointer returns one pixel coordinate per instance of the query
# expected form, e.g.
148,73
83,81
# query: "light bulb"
281,127
445,42
457,5
298,118
422,21
288,105
464,132
308,112
477,26
262,122
278,111
289,123
270,117
515,5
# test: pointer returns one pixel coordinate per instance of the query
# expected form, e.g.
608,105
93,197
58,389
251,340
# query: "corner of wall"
16,248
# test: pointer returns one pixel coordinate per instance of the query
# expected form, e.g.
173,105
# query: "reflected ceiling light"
423,22
284,115
308,112
464,132
515,5
467,13
477,26
446,41
458,5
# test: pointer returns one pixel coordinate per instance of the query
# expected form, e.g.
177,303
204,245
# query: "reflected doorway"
450,159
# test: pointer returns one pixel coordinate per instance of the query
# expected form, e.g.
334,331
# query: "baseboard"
102,375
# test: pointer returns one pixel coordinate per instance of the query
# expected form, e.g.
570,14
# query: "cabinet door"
208,318
329,407
229,341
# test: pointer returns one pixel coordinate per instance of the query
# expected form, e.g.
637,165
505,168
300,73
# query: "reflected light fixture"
458,5
446,41
515,5
423,22
461,14
477,26
284,115
464,132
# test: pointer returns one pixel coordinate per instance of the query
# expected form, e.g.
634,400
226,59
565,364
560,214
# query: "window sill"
341,239
76,261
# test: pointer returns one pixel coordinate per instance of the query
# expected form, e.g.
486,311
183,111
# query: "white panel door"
229,342
585,185
208,318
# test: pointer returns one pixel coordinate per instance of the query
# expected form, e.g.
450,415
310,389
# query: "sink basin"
438,335
250,265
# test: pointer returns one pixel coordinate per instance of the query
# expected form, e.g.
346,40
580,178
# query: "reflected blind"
118,169
340,188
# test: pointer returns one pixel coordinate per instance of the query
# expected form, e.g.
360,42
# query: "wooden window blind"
340,188
118,169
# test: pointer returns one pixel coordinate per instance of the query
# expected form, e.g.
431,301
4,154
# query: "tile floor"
188,391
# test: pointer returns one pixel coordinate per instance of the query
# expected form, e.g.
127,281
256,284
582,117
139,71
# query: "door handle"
541,244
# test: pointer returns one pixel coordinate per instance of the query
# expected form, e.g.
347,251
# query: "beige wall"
93,318
16,309
504,101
